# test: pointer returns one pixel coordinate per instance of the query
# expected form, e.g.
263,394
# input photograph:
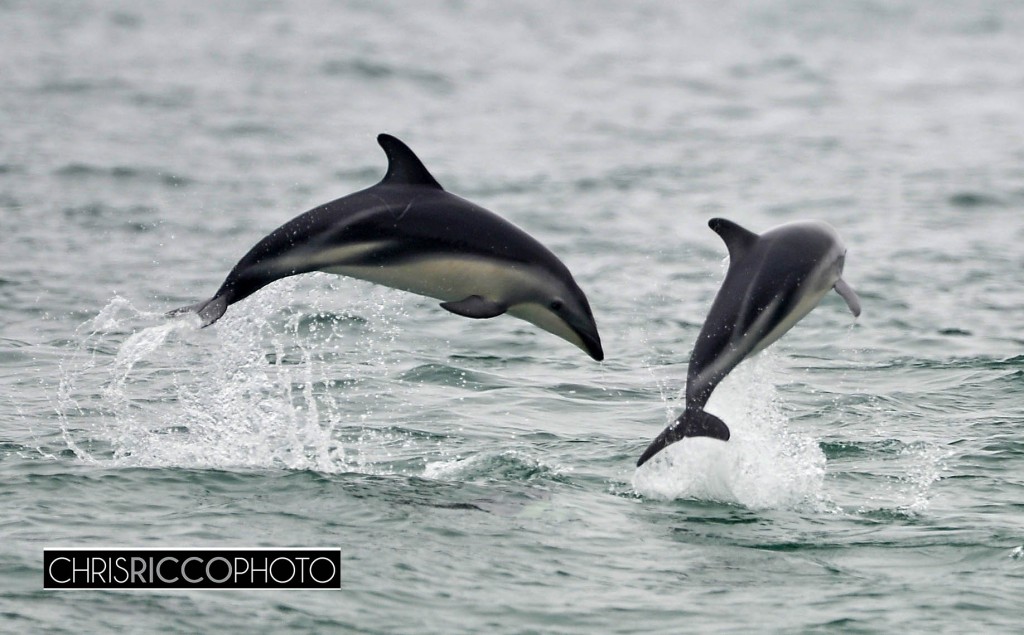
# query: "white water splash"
928,463
258,391
910,474
763,465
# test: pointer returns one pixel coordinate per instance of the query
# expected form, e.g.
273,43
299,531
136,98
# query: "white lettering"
159,567
53,577
227,576
119,563
312,566
184,574
274,577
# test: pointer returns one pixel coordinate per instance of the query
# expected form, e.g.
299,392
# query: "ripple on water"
505,465
971,200
447,375
376,70
122,173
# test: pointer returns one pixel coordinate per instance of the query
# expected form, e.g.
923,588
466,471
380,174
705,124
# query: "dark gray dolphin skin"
774,279
406,232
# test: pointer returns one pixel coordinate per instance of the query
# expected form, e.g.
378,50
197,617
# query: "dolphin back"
694,422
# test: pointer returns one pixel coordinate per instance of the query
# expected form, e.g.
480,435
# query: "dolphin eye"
556,305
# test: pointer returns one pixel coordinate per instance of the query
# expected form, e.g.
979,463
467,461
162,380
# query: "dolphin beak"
584,329
589,339
577,328
592,344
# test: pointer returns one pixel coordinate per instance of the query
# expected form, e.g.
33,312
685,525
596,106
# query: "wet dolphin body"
774,279
406,232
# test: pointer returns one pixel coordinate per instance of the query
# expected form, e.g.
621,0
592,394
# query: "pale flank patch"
449,278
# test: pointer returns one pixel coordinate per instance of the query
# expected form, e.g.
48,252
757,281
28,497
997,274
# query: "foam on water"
910,473
170,394
763,465
514,464
927,463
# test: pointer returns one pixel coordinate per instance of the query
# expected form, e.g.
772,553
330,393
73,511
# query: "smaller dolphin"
406,232
773,280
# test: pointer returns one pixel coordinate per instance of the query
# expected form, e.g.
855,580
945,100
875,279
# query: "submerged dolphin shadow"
406,232
774,279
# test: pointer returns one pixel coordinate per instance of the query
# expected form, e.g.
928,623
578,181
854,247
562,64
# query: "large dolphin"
406,232
773,280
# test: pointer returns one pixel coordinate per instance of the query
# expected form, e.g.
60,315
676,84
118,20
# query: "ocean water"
479,476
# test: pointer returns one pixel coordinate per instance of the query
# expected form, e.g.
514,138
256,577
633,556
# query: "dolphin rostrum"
408,233
773,280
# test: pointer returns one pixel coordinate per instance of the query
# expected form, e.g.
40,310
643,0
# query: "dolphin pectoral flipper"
475,307
849,295
692,423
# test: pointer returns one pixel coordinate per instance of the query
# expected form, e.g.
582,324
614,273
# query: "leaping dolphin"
408,233
773,280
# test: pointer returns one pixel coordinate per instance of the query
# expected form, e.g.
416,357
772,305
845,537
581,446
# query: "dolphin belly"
446,277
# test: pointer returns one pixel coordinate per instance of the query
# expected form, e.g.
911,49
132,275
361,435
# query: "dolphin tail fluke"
692,423
209,310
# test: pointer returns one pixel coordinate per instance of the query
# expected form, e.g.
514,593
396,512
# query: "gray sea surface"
478,475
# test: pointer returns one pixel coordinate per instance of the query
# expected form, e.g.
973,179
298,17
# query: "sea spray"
763,465
269,387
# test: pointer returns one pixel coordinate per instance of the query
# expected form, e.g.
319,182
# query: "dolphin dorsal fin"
404,167
738,240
